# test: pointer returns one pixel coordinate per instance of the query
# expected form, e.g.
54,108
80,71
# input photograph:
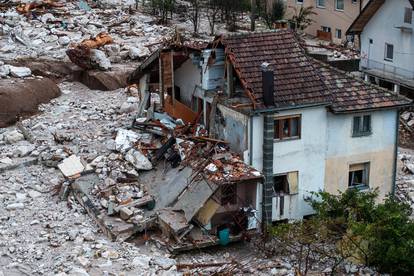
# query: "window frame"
336,5
361,132
291,188
321,6
408,14
278,121
228,199
386,52
365,176
338,31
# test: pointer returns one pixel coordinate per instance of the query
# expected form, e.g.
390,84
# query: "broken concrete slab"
138,160
125,139
72,166
20,72
13,136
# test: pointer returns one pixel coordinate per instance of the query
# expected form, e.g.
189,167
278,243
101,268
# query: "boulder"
20,72
100,59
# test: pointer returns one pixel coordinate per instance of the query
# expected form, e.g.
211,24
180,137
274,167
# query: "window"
320,3
354,1
408,15
299,2
228,194
287,127
359,176
338,33
362,126
326,29
371,41
286,184
389,52
339,5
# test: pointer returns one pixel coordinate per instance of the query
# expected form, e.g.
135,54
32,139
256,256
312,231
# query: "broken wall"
186,78
231,126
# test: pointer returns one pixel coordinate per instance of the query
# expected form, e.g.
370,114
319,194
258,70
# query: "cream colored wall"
380,171
328,16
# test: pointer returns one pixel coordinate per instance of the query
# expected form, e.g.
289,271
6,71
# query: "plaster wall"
187,77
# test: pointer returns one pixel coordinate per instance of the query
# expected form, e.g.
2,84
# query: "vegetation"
303,17
276,13
350,226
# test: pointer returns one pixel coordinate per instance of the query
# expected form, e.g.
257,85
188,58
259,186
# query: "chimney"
268,84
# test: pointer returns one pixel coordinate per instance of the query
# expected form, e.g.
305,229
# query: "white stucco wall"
382,29
326,149
305,155
187,77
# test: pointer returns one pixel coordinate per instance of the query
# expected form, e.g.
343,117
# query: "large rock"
125,139
135,53
138,160
100,59
20,72
4,70
13,136
22,98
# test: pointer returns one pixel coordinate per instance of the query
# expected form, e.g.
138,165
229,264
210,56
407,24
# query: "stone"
14,206
142,262
34,194
6,161
410,123
125,139
71,166
138,160
64,40
99,58
88,236
406,116
112,50
20,72
4,71
83,261
135,53
165,263
125,213
23,151
20,197
13,136
410,167
127,107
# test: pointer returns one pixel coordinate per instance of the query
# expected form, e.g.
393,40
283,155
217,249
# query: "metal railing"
387,69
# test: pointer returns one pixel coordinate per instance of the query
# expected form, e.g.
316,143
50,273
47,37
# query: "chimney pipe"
268,84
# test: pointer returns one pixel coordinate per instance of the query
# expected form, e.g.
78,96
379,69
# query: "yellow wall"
380,171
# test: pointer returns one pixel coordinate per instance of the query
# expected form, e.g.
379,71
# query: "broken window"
286,184
228,194
362,126
408,15
359,176
287,127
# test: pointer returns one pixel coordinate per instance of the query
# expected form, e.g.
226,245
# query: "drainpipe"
394,173
268,136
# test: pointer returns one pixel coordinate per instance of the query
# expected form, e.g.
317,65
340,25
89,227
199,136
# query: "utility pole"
253,15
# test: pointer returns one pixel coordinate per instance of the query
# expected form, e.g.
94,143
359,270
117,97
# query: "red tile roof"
299,79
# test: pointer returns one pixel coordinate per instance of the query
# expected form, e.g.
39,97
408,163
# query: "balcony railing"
387,70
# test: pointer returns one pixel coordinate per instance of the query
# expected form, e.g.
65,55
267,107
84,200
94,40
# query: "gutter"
394,173
278,109
372,109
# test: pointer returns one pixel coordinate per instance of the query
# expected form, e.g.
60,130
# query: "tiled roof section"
296,80
350,94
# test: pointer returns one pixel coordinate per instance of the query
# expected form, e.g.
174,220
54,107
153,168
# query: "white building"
305,125
387,43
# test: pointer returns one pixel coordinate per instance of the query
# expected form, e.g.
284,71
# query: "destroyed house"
305,125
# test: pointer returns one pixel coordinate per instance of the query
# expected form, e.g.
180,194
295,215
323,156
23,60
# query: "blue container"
224,236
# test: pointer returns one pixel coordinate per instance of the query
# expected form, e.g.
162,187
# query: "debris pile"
407,129
405,179
45,29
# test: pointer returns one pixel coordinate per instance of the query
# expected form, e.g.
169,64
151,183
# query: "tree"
194,13
276,13
302,18
213,8
350,226
162,8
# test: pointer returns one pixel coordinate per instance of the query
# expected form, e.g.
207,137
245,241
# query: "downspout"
397,137
268,136
251,142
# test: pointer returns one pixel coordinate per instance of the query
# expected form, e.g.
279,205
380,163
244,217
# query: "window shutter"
367,123
292,178
357,121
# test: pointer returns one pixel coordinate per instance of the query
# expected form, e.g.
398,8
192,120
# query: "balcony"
388,72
